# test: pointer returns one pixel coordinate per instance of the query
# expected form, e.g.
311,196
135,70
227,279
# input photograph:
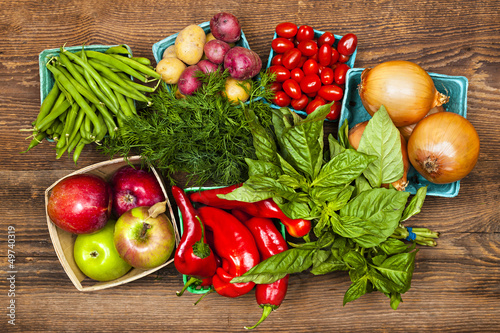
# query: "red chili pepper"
241,215
269,242
193,256
235,246
265,208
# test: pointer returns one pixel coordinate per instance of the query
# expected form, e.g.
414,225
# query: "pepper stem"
424,236
203,296
266,310
191,281
200,248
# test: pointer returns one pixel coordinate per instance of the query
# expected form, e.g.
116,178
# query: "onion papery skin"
407,130
354,138
444,147
404,88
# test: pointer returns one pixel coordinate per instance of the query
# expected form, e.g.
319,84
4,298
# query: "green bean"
62,117
131,105
76,126
72,144
142,60
107,73
48,103
84,129
110,58
35,141
78,150
118,49
68,126
57,131
71,68
119,89
138,66
124,105
53,116
100,135
105,88
136,85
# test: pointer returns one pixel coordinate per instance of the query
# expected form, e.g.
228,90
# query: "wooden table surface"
456,286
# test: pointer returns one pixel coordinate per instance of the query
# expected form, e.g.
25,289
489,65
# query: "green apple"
96,255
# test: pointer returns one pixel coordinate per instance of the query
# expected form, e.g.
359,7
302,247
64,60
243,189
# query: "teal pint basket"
453,86
198,289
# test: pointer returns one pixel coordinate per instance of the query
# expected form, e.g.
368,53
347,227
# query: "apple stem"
145,228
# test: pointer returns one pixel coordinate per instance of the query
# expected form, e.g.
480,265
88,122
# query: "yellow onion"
403,88
408,129
444,147
354,137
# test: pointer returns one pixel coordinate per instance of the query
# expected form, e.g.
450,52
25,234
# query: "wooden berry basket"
64,241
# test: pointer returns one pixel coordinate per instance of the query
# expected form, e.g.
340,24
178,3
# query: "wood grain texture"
456,286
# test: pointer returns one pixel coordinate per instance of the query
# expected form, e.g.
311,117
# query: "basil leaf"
380,282
291,261
357,264
262,168
382,139
379,259
356,290
320,257
344,135
265,146
294,209
343,168
289,170
270,185
246,193
415,204
342,198
399,269
324,194
329,265
361,185
393,246
395,300
334,146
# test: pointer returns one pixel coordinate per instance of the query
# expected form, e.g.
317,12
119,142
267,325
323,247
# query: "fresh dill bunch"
203,135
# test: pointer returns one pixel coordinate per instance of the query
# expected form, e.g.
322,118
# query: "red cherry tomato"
282,74
334,111
318,97
325,54
312,95
326,76
300,103
310,83
313,105
340,73
305,32
308,47
281,99
291,58
335,56
277,60
344,58
314,57
302,61
320,69
276,86
281,45
331,92
298,74
326,38
347,44
286,29
310,67
292,88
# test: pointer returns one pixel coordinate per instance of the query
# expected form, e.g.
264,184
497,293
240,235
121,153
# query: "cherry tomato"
310,67
335,56
281,99
313,105
320,69
302,61
276,86
291,58
298,74
305,32
326,76
292,88
286,29
331,92
347,44
300,103
277,60
334,111
314,57
324,101
326,38
282,74
281,45
340,73
310,83
312,95
325,54
308,47
344,58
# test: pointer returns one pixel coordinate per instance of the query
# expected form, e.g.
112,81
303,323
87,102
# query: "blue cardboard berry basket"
199,289
317,34
453,86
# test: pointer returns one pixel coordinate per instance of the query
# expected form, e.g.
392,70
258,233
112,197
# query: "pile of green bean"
92,95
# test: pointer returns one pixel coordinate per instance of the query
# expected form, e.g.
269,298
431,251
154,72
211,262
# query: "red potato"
188,82
241,63
215,50
225,27
206,66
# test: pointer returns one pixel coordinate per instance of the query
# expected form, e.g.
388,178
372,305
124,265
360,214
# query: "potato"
242,63
170,69
210,36
189,44
225,27
234,90
188,82
207,66
169,52
215,50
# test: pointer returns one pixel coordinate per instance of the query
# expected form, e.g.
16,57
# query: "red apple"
133,188
142,239
80,204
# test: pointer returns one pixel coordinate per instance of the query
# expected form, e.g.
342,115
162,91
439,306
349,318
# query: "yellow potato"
209,37
234,90
170,69
169,52
189,44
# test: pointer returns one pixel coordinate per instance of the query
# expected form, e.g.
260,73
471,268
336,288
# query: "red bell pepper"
236,247
269,242
265,208
193,256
